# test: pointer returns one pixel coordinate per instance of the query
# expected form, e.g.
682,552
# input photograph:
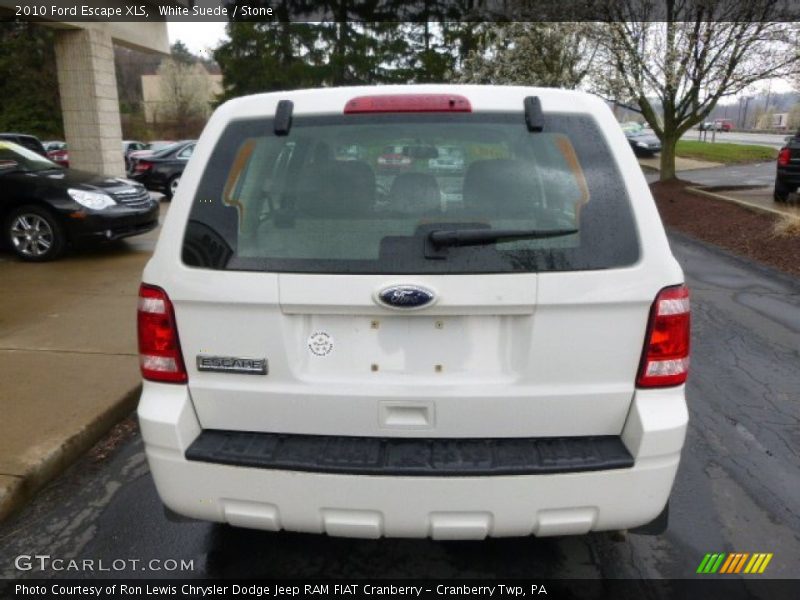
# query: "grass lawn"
724,153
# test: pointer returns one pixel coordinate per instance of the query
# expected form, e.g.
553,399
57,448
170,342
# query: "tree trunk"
668,144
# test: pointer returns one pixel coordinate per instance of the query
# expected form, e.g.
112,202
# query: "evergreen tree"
28,81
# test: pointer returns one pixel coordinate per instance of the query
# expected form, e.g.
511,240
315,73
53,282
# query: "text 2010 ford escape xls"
495,349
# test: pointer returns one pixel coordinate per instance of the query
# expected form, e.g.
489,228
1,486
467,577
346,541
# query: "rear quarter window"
361,193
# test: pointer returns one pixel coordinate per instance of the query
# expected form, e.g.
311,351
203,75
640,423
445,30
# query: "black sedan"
642,143
162,171
44,207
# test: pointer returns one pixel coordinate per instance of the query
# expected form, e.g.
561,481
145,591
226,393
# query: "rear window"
362,194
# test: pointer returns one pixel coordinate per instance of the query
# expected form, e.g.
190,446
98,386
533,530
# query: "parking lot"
738,488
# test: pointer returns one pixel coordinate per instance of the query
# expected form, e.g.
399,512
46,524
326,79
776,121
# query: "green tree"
678,58
344,42
182,54
526,53
265,57
28,81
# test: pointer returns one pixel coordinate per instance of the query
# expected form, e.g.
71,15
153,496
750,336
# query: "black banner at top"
309,11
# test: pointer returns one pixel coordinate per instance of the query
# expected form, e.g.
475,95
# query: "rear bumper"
370,506
789,176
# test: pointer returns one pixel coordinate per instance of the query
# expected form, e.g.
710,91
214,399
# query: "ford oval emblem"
406,296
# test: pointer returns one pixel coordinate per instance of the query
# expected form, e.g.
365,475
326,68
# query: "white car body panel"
498,355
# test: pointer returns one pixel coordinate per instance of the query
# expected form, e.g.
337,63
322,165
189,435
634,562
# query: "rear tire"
782,191
34,234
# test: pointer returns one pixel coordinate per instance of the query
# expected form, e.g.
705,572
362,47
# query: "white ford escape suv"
494,350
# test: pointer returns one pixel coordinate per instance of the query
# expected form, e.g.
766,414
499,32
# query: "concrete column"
88,86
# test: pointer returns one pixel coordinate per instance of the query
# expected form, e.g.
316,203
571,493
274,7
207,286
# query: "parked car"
723,124
509,364
44,207
129,146
642,143
149,149
31,142
161,171
787,173
349,152
450,159
57,152
717,124
393,159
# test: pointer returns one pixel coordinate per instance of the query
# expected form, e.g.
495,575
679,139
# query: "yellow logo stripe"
752,563
765,563
758,562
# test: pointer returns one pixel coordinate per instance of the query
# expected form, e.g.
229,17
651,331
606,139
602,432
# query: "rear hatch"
516,306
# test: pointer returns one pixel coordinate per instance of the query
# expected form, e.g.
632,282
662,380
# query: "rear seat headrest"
415,193
500,185
340,188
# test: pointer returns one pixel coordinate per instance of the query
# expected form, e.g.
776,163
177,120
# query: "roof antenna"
283,117
534,118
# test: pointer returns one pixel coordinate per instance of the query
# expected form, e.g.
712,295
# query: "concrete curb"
748,205
22,489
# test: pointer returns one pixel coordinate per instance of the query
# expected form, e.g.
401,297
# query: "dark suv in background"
787,175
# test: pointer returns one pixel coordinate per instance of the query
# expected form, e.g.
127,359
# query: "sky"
198,37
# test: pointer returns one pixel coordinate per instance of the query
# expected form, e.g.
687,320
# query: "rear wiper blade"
479,237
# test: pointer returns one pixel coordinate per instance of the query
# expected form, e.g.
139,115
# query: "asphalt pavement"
738,488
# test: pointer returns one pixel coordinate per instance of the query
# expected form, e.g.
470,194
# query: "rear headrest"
500,186
415,193
339,188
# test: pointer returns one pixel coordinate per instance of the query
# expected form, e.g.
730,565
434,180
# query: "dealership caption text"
212,590
137,11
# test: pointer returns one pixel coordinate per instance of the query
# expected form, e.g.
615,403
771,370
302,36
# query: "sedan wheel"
34,234
173,186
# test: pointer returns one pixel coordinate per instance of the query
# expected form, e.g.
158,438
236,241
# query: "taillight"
408,103
783,157
159,348
142,166
665,360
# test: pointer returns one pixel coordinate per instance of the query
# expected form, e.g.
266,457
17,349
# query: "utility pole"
739,115
744,119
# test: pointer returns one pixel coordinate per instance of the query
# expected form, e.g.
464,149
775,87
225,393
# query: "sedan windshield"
14,157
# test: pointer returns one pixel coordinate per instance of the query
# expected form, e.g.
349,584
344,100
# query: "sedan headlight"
93,200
